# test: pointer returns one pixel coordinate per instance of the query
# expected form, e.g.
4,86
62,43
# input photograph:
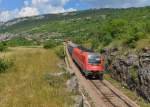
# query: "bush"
3,47
107,39
94,44
140,35
132,44
19,41
131,41
60,52
133,73
4,65
51,44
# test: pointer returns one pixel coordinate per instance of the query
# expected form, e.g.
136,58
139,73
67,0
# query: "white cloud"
51,6
59,9
53,9
55,3
70,10
28,11
6,15
58,2
39,2
116,3
36,7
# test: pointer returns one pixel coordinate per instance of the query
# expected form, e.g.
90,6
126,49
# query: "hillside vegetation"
97,29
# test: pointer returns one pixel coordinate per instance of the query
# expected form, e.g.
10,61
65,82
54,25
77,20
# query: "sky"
10,9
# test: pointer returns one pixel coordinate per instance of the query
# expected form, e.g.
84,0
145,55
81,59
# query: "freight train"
90,63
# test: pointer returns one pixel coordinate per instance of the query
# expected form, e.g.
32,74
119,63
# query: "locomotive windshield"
94,59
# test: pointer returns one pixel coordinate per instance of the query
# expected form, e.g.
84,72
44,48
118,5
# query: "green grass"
26,85
132,95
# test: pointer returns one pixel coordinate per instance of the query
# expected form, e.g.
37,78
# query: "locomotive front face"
95,63
95,66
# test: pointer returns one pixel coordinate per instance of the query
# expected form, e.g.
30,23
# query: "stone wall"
131,69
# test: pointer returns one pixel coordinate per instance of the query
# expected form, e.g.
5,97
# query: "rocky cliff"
131,69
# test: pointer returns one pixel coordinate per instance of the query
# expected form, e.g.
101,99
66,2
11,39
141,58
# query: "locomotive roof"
80,47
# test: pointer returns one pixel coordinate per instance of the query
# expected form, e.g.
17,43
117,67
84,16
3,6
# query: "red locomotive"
90,63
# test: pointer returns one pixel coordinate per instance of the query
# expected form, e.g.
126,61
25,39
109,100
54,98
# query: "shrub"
3,47
60,51
131,41
140,35
51,44
4,65
107,39
94,44
101,50
132,44
19,41
116,27
133,73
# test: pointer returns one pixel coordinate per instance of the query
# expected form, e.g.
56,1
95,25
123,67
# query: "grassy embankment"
26,83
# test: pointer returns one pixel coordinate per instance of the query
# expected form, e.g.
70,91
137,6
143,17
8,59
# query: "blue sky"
10,9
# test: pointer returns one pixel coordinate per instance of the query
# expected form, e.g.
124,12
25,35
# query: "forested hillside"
95,28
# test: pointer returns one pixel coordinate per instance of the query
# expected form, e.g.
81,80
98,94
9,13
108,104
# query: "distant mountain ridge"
65,16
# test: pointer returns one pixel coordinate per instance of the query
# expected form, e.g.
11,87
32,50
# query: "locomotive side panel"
77,57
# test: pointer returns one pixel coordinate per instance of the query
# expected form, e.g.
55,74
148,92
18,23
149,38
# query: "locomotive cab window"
94,59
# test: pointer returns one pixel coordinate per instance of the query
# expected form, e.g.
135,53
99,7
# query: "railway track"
102,93
110,97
